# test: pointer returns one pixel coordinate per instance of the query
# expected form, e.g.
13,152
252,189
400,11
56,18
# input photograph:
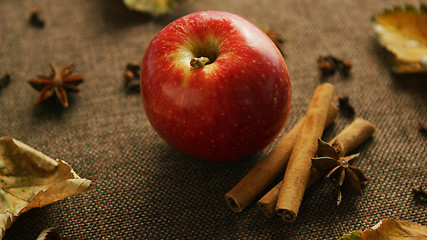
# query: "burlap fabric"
144,189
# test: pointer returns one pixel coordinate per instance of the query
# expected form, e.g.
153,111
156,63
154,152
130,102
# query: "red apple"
214,86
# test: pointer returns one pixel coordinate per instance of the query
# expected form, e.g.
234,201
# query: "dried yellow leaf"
29,179
391,229
403,32
154,7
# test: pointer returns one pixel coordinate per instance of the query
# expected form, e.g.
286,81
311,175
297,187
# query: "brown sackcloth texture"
144,189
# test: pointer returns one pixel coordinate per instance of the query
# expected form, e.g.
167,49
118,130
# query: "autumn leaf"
154,7
30,179
352,236
403,32
390,229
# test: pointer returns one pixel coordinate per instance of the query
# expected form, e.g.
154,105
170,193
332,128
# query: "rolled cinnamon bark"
355,134
267,204
268,169
351,137
298,170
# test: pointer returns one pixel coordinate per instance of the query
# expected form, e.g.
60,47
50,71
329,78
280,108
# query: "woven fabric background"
144,189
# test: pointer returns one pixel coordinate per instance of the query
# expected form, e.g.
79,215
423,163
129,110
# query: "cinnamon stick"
351,137
298,170
268,169
267,204
355,134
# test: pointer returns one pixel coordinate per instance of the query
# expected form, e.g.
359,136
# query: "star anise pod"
331,160
57,83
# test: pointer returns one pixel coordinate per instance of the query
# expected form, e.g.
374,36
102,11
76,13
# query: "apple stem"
199,62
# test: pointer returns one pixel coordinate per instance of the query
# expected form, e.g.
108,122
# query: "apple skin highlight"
231,107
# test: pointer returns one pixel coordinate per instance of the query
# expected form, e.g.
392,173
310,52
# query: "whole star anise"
57,83
331,160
